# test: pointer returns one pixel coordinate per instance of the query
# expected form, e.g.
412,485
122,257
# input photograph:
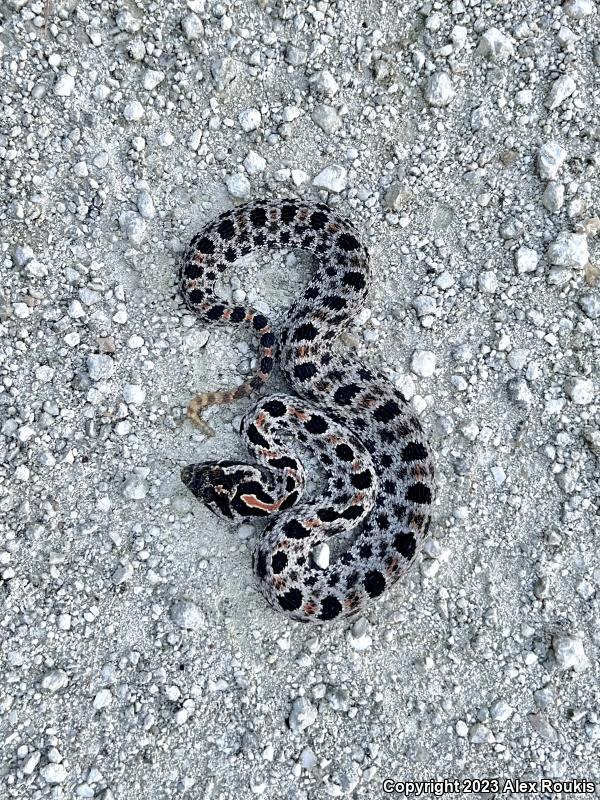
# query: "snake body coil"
359,426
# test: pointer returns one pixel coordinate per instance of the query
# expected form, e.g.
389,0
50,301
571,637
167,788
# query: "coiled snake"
357,424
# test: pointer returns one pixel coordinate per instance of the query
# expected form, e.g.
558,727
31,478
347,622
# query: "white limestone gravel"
137,659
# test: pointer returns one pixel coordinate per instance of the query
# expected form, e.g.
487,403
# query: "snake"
325,558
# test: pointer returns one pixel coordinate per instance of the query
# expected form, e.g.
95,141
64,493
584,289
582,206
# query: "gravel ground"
462,138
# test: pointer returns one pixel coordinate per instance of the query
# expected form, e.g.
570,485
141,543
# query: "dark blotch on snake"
374,583
279,562
419,493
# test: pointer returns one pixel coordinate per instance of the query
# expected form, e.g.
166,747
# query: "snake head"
220,486
212,485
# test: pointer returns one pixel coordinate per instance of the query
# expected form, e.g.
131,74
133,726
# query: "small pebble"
526,260
54,773
133,226
580,391
590,305
569,250
54,681
488,282
495,45
238,185
303,715
569,653
423,363
438,90
579,9
64,85
100,367
133,111
192,27
134,394
250,119
152,78
550,158
135,488
254,163
332,179
554,197
103,699
326,118
122,574
541,726
561,89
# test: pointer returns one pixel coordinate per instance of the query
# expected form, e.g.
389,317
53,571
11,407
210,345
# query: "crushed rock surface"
462,138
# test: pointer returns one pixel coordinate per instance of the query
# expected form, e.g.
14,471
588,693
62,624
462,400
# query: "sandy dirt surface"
138,661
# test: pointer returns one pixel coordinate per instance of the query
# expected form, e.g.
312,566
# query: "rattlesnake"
350,416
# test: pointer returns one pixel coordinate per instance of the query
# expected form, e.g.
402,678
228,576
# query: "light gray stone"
438,90
569,250
561,89
550,158
332,179
100,366
495,45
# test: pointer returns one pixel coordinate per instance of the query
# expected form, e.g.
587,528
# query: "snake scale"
350,416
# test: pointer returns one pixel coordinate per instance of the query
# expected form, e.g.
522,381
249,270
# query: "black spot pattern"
353,512
267,339
346,394
226,229
335,302
206,246
419,493
348,242
304,332
289,501
387,412
275,408
291,600
288,213
259,322
294,530
405,544
354,279
362,480
256,437
413,451
260,564
316,424
330,607
344,452
216,312
194,270
305,372
279,562
258,217
374,583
